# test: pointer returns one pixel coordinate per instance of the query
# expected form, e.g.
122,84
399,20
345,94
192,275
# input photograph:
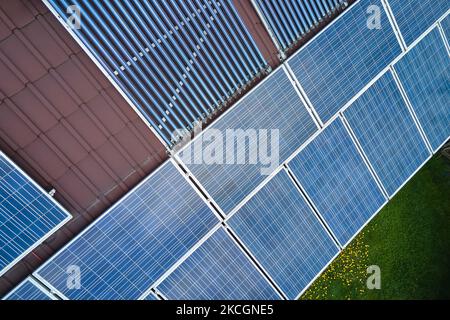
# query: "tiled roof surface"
64,123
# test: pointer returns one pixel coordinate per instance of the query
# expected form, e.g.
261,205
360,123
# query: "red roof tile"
65,124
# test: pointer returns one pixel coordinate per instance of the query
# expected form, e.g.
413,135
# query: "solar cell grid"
134,243
340,61
425,75
217,270
29,289
27,214
387,133
284,235
338,181
274,105
414,17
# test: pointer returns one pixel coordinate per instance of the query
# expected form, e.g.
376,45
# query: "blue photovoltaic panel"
339,62
177,61
414,17
425,74
29,290
387,133
28,214
217,270
337,180
284,235
135,242
273,109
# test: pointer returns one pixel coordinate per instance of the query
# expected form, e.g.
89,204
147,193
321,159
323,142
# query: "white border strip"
258,266
393,22
103,70
363,155
313,207
198,187
302,94
208,201
33,282
410,108
50,232
444,37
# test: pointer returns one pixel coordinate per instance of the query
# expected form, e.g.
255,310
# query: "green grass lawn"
409,240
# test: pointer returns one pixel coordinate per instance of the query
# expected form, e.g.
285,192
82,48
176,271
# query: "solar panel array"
425,74
29,289
177,61
291,20
217,270
387,133
28,215
339,183
340,61
414,17
273,105
134,243
279,230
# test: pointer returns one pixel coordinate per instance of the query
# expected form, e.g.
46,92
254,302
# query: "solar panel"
337,180
274,105
414,17
28,215
284,235
125,251
217,270
29,289
387,133
425,74
339,62
177,61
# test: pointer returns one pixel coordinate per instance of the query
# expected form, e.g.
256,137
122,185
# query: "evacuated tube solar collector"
177,61
291,20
